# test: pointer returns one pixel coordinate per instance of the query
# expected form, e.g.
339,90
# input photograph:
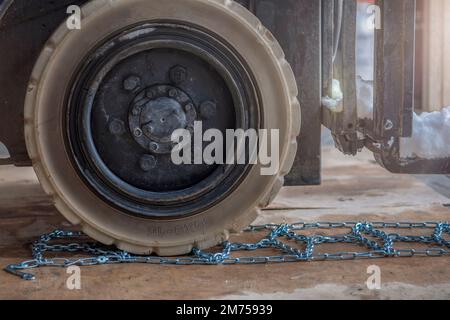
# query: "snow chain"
372,236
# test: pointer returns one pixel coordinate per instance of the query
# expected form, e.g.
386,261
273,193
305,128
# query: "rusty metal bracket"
394,89
338,62
389,158
394,69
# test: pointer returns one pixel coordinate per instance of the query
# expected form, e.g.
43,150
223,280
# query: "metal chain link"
373,236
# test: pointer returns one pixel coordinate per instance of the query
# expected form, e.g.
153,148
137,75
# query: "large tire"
45,131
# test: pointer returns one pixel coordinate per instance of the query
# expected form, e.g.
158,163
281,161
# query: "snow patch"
431,136
431,130
364,90
4,154
334,102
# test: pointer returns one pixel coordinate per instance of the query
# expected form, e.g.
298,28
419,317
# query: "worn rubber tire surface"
44,129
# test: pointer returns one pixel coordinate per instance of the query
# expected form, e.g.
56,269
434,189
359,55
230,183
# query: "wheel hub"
156,112
133,92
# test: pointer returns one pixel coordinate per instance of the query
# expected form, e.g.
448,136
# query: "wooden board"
434,29
353,189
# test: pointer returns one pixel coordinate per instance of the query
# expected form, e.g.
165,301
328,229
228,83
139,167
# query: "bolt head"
208,109
388,125
178,74
147,162
189,107
131,83
116,127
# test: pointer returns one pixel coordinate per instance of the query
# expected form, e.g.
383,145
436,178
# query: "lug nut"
178,74
189,107
173,93
147,162
131,83
136,111
137,132
116,127
154,146
208,109
150,94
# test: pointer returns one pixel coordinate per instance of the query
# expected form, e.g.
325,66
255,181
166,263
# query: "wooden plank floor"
353,189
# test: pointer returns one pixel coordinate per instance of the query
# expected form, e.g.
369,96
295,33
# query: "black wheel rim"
132,91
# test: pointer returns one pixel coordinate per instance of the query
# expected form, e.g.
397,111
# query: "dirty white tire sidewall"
44,133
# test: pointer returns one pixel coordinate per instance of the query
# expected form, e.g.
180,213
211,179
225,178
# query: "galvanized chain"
373,236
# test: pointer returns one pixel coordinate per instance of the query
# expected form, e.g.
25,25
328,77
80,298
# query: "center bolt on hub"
156,112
